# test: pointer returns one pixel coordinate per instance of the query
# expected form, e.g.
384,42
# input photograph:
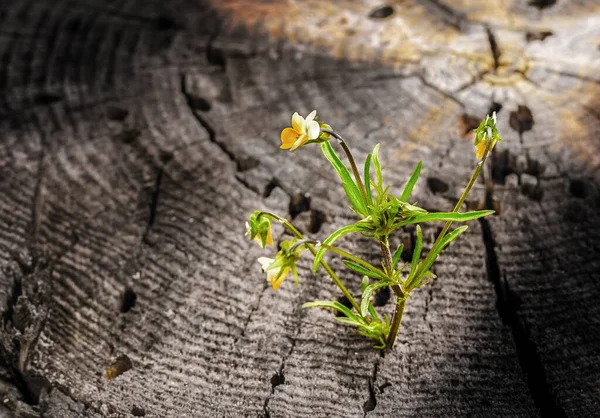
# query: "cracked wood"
131,135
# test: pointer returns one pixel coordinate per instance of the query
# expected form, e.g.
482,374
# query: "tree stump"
137,137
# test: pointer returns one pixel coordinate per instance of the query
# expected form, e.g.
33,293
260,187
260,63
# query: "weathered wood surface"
138,136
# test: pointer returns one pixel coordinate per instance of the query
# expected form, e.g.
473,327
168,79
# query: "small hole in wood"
247,163
537,36
437,185
577,188
382,297
468,123
317,219
542,4
118,367
521,120
276,380
45,99
344,301
198,103
494,107
215,56
164,23
128,136
165,156
270,187
128,300
136,411
384,386
116,113
382,12
299,202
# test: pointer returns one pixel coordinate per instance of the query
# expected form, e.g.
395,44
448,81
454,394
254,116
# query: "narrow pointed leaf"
445,216
366,296
363,328
364,284
397,256
333,238
377,166
375,273
410,185
330,304
435,252
373,312
350,187
367,179
416,253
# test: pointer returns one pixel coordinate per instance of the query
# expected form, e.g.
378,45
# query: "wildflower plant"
380,213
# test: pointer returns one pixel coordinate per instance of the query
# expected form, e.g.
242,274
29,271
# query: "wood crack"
450,16
153,204
440,91
371,402
251,313
279,377
494,47
212,135
507,304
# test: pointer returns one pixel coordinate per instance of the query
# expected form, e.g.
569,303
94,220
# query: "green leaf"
350,187
367,179
375,274
397,256
377,166
453,235
433,255
373,313
411,183
330,304
347,321
366,296
333,238
423,279
445,216
364,283
416,254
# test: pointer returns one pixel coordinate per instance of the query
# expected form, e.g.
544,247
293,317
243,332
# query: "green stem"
357,260
396,321
387,256
460,202
324,264
400,296
341,141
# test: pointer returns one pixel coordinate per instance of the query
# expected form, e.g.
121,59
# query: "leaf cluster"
380,214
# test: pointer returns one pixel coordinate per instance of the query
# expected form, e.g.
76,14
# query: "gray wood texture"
137,137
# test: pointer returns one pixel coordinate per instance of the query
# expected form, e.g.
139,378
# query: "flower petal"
297,122
299,142
311,116
278,278
269,240
313,130
265,262
480,150
288,137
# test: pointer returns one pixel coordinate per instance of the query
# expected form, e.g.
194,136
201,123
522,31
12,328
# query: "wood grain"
138,137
